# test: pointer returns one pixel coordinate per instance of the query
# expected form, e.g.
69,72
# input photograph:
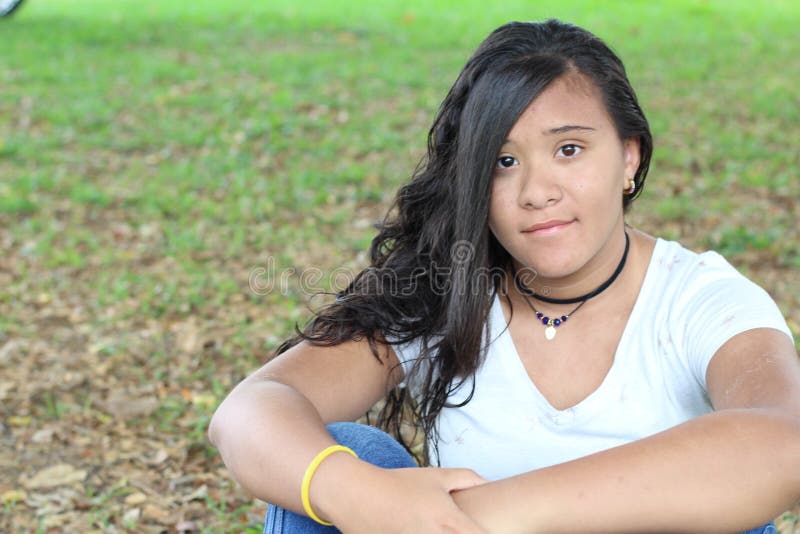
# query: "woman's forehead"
571,100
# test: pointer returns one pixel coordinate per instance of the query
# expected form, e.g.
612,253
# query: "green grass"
153,153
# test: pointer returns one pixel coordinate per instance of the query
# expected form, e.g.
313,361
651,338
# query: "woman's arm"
272,425
723,472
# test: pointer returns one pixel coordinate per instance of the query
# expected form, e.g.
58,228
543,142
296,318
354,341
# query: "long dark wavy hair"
427,279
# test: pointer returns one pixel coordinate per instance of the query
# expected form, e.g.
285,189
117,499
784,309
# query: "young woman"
571,373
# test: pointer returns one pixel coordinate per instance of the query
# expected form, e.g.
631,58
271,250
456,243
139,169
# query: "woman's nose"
539,188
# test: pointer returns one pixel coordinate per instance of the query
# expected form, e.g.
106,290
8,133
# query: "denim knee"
769,528
372,445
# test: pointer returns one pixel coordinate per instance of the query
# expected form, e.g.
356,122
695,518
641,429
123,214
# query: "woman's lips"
547,227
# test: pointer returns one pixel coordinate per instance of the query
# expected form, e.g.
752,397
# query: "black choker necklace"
552,324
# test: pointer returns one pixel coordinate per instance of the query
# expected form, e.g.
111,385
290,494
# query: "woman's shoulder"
682,264
697,279
678,276
705,301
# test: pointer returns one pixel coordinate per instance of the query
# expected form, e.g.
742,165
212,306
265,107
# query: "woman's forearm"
267,433
722,472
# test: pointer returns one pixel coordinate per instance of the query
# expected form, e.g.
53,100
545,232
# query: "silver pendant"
550,332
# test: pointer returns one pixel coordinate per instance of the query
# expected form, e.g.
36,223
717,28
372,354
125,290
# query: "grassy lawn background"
156,158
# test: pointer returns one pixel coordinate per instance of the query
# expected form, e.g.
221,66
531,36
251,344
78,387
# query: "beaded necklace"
552,323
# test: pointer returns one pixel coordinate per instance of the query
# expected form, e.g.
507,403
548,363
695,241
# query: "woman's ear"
633,156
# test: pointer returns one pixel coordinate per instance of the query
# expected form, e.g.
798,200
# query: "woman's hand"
358,497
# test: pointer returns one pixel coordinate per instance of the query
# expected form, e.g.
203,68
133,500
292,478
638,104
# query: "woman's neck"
596,277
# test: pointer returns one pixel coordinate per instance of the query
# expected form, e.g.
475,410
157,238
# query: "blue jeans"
378,448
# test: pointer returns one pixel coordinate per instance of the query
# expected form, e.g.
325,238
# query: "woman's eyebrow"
559,130
567,128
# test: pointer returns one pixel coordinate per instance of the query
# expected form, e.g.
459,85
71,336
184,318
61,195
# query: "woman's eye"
505,162
569,150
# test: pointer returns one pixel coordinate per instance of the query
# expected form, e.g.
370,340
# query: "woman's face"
556,203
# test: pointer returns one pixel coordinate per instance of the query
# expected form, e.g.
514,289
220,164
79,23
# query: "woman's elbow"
223,421
236,414
216,427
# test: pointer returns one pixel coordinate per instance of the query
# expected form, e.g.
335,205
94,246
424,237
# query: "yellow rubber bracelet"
310,470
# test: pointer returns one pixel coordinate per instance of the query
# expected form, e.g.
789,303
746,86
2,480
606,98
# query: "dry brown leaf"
187,337
19,420
135,498
123,407
204,400
10,350
5,389
12,496
53,476
44,435
155,513
55,521
158,458
199,494
186,526
132,515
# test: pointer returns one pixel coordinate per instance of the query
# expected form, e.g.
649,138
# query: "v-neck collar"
512,363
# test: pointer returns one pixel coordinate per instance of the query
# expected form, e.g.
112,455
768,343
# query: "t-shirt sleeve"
408,354
717,303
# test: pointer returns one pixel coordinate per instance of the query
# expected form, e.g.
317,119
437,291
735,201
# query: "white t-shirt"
688,307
